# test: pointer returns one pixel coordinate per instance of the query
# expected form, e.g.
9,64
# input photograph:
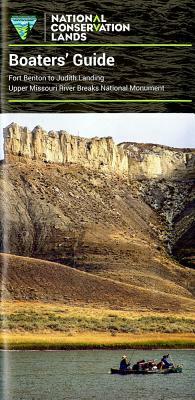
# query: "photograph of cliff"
97,241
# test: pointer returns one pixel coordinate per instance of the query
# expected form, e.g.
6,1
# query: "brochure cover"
97,229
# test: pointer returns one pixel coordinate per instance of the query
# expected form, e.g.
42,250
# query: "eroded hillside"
120,226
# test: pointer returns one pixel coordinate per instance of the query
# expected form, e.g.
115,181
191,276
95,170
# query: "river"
84,375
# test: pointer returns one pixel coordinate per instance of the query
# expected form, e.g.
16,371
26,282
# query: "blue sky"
177,130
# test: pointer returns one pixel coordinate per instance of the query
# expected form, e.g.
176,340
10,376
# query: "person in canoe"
165,362
124,364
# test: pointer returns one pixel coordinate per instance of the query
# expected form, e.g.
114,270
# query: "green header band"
101,101
103,45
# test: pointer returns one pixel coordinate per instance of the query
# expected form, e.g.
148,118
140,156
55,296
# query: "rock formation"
62,148
149,161
137,161
160,176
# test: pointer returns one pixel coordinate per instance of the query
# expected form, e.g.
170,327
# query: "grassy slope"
31,279
37,316
79,310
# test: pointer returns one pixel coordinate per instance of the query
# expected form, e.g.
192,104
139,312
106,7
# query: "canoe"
172,370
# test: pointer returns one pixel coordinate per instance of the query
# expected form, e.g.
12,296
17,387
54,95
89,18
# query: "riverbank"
44,326
94,340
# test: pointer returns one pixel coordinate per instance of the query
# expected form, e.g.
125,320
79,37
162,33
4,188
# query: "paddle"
131,356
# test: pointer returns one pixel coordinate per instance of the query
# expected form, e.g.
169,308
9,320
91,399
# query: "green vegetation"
33,321
41,326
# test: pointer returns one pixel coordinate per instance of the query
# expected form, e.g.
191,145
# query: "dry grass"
93,340
12,306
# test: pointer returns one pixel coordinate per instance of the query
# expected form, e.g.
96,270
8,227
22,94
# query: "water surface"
84,375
